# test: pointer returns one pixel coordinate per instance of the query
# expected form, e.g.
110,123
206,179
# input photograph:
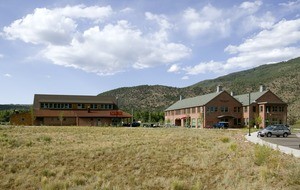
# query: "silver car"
278,130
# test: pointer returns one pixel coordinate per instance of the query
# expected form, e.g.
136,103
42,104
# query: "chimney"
219,88
262,88
180,97
232,93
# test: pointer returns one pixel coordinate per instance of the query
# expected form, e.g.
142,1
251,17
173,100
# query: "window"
188,111
254,108
94,106
199,122
177,112
261,108
80,106
224,109
275,108
193,110
200,109
245,109
212,109
268,109
193,122
237,109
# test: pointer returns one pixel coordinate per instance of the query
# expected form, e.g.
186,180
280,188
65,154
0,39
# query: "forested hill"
281,78
14,107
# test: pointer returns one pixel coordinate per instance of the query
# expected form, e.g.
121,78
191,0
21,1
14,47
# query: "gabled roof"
244,98
194,102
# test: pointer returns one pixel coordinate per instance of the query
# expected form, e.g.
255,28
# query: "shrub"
261,154
225,139
44,138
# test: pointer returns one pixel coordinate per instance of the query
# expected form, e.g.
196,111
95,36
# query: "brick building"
73,110
260,108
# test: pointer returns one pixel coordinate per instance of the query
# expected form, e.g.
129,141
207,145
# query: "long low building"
256,108
72,110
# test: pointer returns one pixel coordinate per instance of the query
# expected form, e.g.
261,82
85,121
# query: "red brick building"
260,108
74,110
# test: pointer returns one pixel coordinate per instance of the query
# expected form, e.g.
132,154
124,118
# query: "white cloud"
1,55
203,22
291,5
174,68
251,7
280,42
185,78
105,50
215,23
55,26
204,67
114,49
252,22
127,10
281,34
7,75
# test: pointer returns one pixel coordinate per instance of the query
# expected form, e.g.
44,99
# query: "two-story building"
72,110
257,108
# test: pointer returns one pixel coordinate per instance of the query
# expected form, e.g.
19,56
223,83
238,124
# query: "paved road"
288,145
291,141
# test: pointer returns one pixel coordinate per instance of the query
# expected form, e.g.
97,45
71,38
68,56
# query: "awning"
225,116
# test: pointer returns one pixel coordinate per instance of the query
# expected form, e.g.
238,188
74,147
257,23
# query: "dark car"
135,124
278,130
221,125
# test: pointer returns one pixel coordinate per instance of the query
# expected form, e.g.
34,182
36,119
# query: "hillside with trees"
281,78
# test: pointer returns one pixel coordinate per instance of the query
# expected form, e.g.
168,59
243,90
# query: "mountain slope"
281,78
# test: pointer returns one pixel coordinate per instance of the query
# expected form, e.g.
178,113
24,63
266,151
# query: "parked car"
135,124
221,125
278,130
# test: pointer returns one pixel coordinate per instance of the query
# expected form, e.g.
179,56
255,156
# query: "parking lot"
292,141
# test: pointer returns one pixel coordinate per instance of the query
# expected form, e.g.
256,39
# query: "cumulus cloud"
55,26
204,67
103,48
204,21
292,5
174,68
7,75
114,49
251,7
280,42
217,23
185,78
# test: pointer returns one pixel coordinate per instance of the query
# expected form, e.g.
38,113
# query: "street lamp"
249,134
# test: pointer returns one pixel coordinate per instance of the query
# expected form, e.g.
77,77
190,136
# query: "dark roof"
194,102
244,98
48,98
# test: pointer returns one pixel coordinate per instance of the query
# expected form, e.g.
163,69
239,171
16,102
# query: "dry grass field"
139,158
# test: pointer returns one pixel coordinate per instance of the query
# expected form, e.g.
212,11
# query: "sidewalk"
253,138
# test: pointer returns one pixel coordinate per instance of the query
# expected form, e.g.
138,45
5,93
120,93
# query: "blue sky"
88,47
